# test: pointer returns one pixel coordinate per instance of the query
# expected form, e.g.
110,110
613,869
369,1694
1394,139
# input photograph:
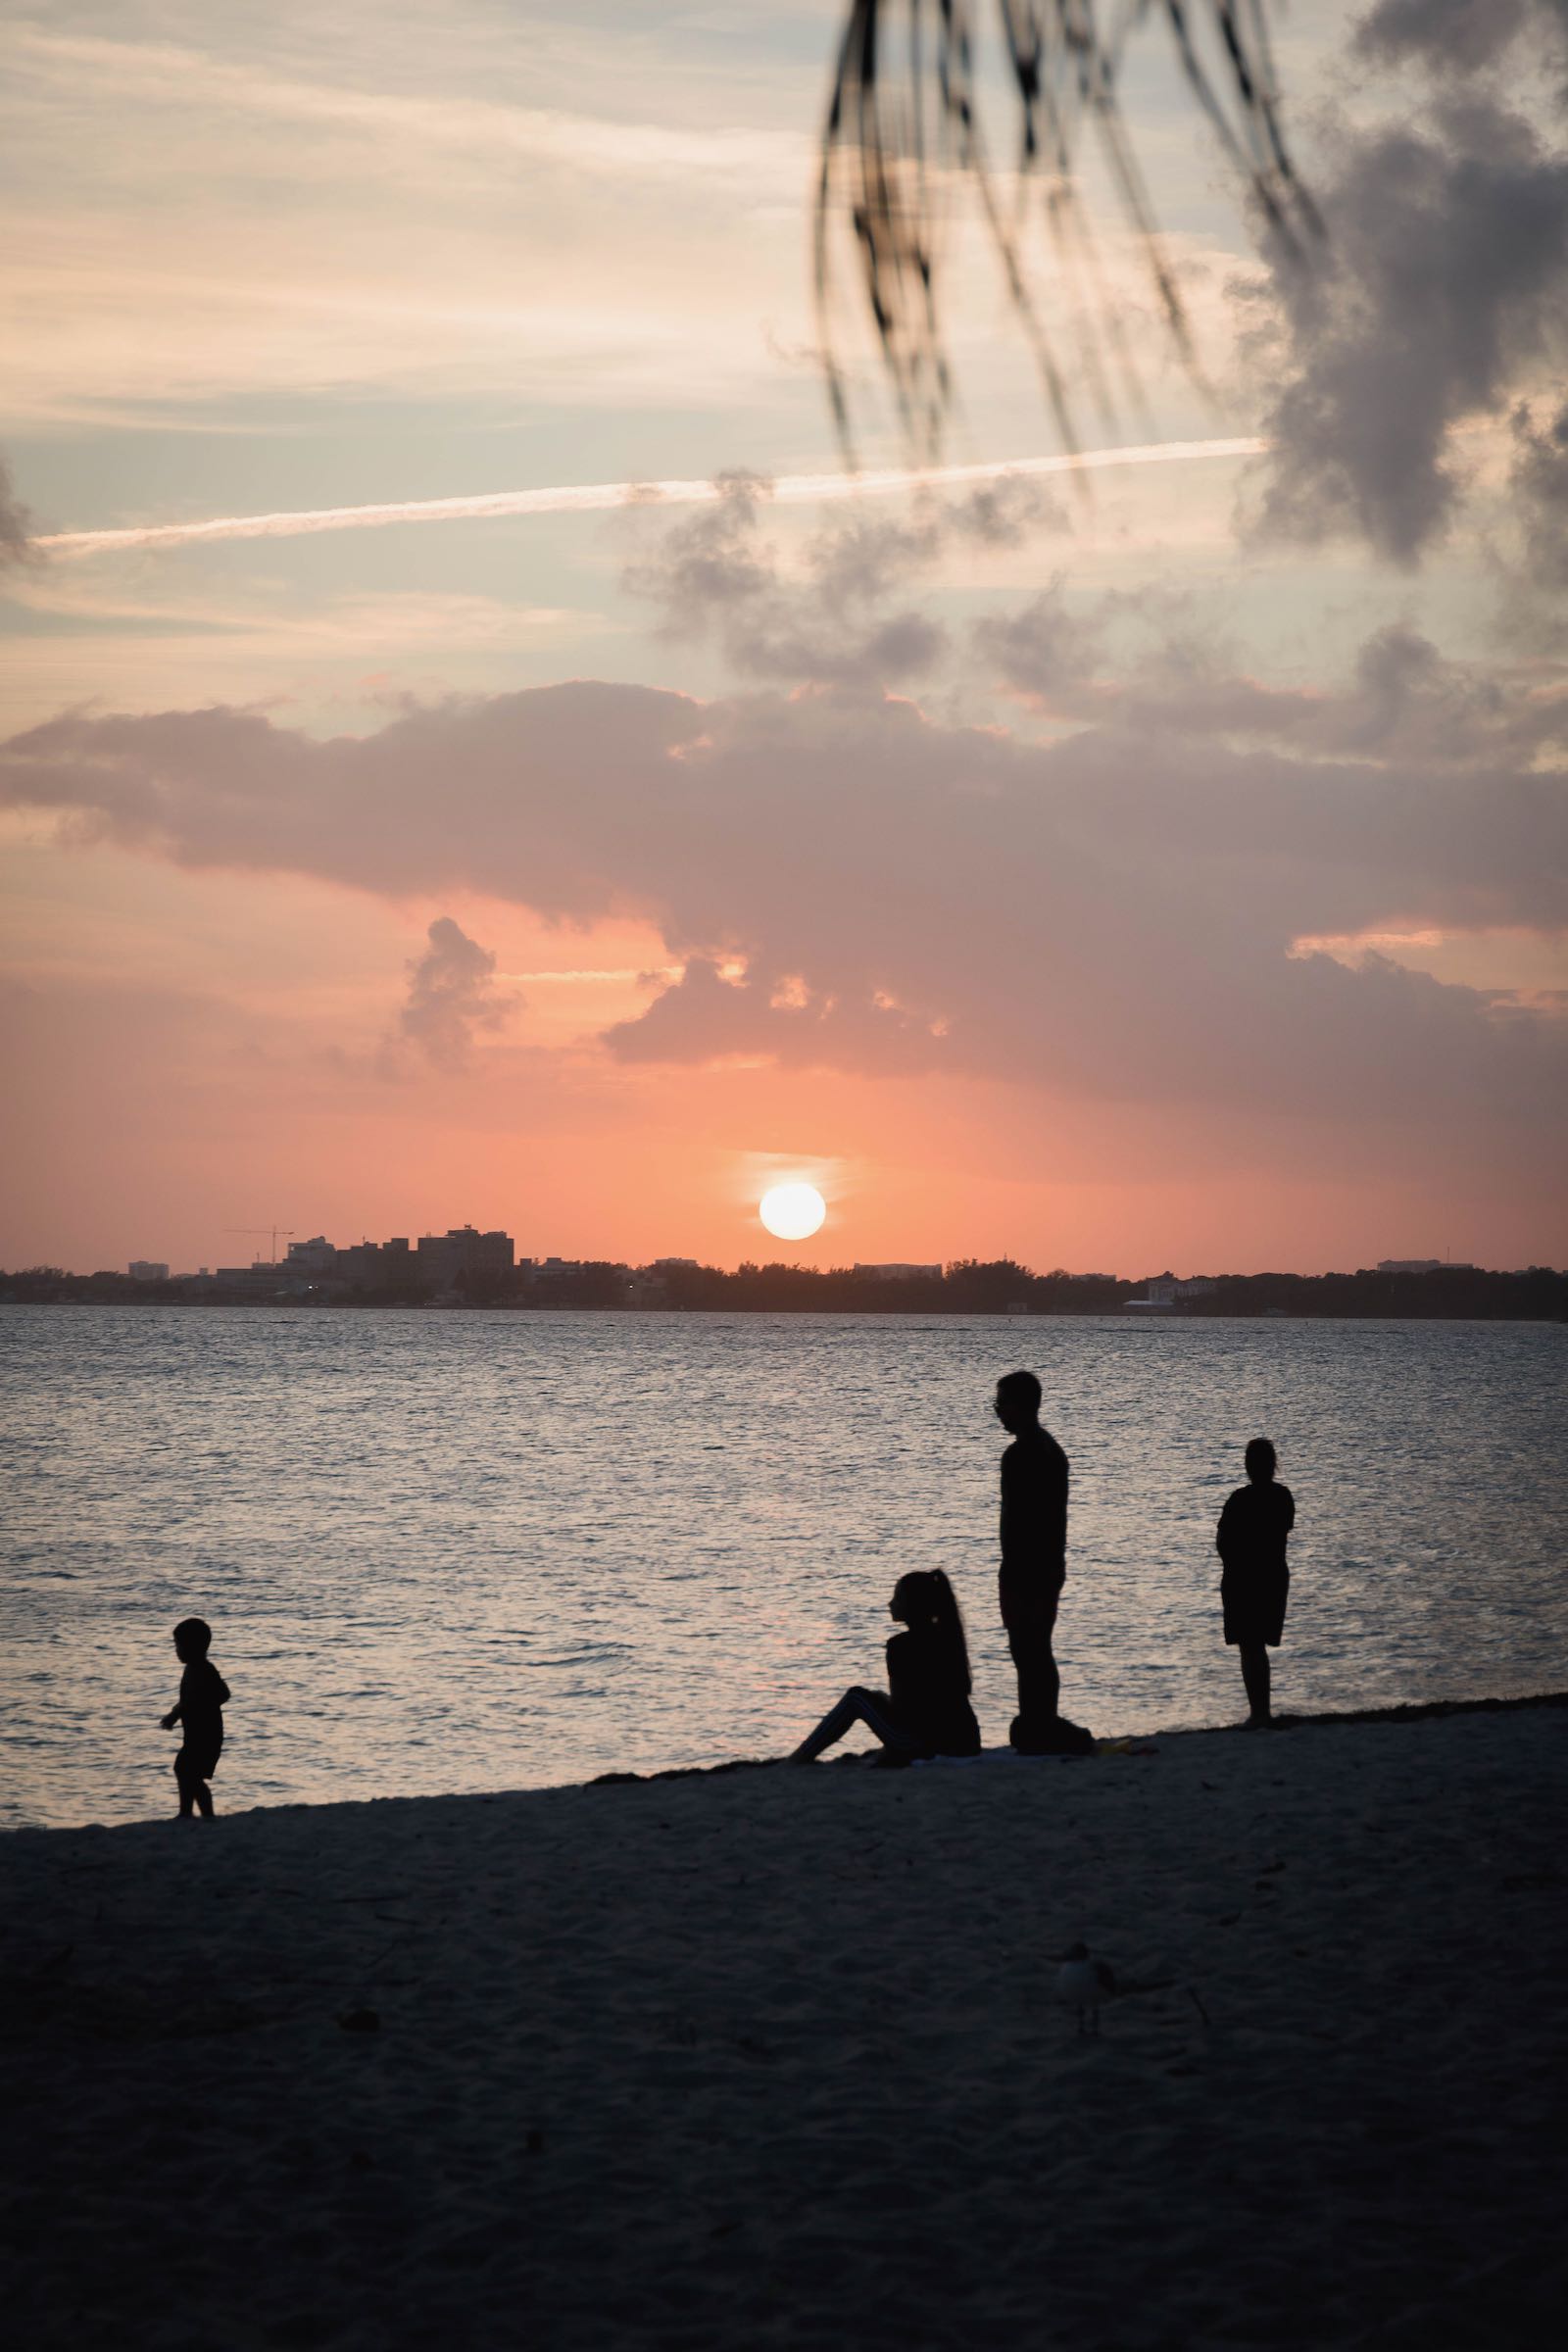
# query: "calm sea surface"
463,1550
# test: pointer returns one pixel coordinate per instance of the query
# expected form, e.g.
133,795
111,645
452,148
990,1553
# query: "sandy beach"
773,2057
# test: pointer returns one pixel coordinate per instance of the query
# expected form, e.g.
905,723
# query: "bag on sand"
1058,1737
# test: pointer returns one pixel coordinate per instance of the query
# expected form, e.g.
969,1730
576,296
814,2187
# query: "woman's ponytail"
949,1620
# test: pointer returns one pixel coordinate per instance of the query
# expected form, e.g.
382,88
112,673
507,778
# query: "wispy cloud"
371,194
613,147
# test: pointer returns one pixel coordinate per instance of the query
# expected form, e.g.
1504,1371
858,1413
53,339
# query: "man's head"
193,1639
1017,1402
1260,1461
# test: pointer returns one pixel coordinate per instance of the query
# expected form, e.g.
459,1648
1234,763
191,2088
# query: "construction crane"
277,1233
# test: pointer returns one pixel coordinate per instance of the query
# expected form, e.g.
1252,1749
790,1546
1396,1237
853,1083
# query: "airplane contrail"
790,489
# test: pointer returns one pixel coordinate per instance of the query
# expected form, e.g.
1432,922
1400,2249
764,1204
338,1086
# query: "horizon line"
893,1273
790,489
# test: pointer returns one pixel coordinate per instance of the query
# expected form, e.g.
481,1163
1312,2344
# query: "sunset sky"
1162,870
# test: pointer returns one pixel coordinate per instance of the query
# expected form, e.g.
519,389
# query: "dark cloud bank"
1442,286
1110,916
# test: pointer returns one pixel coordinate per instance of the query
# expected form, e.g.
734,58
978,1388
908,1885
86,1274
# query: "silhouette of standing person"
925,1710
203,1696
1034,1554
1255,1581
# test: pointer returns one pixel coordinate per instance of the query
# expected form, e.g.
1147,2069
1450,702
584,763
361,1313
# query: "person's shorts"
1254,1607
197,1763
1029,1608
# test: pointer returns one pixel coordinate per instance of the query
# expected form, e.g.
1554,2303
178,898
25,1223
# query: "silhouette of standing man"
1034,1555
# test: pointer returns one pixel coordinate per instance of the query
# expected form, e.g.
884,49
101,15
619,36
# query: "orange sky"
1170,875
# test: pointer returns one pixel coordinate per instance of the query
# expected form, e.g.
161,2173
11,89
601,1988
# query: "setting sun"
792,1212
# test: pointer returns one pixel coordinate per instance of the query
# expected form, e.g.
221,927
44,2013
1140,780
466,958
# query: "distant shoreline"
1538,1297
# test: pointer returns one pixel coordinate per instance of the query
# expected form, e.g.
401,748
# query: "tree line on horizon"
966,1286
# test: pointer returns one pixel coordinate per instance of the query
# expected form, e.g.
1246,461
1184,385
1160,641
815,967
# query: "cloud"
1049,650
1538,482
851,885
451,994
1404,700
15,523
396,125
715,576
371,193
704,1016
1453,37
1441,291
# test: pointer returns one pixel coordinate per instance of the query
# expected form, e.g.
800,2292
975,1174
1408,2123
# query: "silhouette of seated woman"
1255,1582
925,1710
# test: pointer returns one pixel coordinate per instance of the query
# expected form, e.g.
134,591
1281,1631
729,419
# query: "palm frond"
902,126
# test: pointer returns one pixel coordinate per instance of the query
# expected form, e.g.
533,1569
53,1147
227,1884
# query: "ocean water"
459,1550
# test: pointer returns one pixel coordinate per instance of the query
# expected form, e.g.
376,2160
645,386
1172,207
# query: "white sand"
772,2058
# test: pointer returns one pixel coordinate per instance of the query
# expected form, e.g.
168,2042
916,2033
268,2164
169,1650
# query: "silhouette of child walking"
203,1696
1255,1581
925,1710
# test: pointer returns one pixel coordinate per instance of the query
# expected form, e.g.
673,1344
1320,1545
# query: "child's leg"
194,1794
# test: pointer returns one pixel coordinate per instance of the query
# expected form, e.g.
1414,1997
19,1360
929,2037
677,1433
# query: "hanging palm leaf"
903,124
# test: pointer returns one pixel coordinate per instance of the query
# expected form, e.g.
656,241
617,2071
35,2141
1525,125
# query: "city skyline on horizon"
298,1256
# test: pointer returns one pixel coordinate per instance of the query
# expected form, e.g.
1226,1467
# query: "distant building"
148,1269
1162,1294
378,1265
1408,1265
899,1273
441,1258
316,1256
545,1273
663,1264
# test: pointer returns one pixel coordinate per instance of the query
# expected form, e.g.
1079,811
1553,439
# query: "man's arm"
1224,1532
